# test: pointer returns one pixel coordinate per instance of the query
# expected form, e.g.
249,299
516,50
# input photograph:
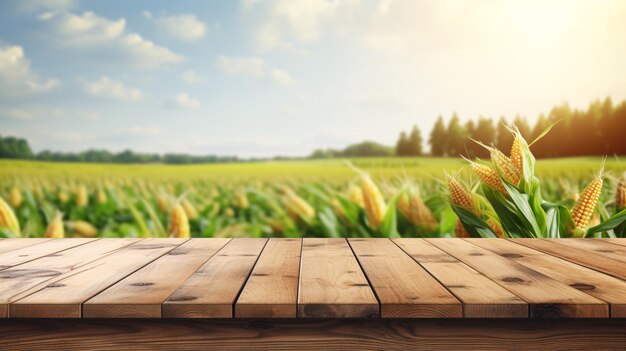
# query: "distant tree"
402,145
456,137
504,138
367,149
485,133
415,142
471,147
437,139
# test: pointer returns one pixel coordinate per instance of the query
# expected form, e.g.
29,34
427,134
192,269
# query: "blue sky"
260,78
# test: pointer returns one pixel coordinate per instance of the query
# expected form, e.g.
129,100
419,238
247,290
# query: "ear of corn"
15,197
411,205
83,228
373,201
356,195
55,228
458,194
587,203
82,198
101,197
516,153
459,230
190,210
488,175
297,207
179,223
8,220
505,166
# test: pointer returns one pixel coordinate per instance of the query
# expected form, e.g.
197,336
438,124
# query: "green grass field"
334,170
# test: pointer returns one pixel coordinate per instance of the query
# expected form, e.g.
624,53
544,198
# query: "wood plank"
594,283
22,280
63,298
11,244
308,334
212,290
481,297
598,247
31,252
332,284
616,241
548,298
141,294
272,289
403,287
576,255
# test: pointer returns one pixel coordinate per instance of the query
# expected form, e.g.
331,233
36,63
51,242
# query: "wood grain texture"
481,297
212,290
306,334
597,247
547,297
594,283
272,289
24,279
11,244
576,255
31,252
332,284
64,297
616,241
141,294
403,287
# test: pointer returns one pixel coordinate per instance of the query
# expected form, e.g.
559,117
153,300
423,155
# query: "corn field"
500,198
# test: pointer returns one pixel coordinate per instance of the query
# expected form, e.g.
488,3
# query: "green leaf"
389,226
611,223
545,131
525,210
475,226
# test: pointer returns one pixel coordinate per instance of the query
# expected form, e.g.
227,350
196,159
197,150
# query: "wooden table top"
312,278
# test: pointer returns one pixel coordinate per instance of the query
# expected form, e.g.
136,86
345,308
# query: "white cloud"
90,31
253,66
281,77
241,65
286,22
192,77
183,101
147,14
16,75
183,27
112,89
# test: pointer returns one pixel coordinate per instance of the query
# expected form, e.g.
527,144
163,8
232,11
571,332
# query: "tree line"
17,148
597,130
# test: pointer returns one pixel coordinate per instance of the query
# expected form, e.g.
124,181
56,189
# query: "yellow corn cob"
373,201
229,212
242,201
458,194
190,210
297,206
81,196
411,205
63,197
82,228
8,220
15,197
505,166
336,205
620,193
356,195
101,197
459,230
496,228
179,223
488,175
516,153
162,203
587,203
55,227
